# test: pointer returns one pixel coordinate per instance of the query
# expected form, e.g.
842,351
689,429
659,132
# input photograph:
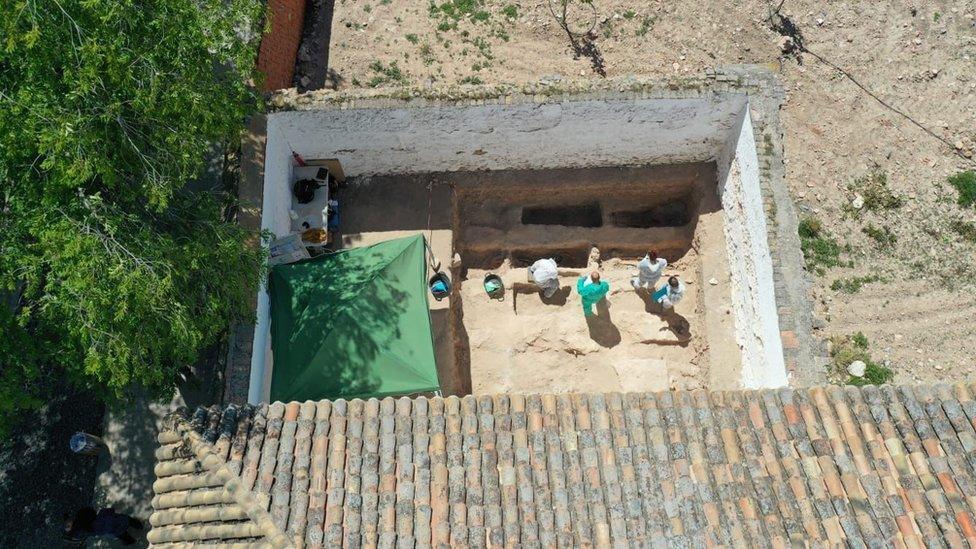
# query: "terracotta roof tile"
821,466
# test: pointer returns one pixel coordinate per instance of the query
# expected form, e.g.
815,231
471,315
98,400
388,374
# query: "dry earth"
535,345
919,57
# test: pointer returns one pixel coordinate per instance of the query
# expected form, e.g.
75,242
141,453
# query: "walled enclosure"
568,132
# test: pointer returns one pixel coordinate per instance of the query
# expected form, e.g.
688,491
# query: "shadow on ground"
601,327
677,323
40,479
125,475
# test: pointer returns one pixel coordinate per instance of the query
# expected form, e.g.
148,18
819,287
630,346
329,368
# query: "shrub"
881,235
810,227
873,187
874,374
965,229
385,74
645,25
965,183
854,284
846,349
820,250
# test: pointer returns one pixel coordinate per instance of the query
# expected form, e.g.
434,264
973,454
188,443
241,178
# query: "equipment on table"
305,190
333,215
315,235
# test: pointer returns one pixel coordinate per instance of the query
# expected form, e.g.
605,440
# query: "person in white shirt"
649,270
670,294
545,274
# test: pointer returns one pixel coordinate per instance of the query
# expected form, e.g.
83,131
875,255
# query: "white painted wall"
753,296
610,132
523,136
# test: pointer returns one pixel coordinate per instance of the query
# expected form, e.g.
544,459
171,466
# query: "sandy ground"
526,343
919,57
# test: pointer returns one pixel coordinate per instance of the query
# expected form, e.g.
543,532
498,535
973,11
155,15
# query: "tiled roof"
888,465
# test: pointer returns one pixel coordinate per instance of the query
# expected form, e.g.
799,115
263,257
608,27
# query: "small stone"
820,22
676,66
917,41
858,202
938,367
857,368
959,145
898,337
911,196
712,281
786,44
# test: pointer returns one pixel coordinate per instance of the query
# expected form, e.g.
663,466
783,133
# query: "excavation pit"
586,215
494,187
527,342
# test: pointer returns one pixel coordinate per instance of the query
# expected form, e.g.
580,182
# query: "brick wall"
279,47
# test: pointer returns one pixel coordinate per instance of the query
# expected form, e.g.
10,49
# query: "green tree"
118,271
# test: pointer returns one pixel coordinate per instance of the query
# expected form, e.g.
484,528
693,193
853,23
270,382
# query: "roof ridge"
249,501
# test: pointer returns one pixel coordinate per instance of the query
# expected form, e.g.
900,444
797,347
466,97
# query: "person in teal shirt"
592,291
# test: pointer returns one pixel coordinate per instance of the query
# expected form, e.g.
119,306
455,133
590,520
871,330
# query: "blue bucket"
440,286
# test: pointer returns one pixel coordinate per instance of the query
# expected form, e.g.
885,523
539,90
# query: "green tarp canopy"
353,324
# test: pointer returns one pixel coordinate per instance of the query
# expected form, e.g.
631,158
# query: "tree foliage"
118,270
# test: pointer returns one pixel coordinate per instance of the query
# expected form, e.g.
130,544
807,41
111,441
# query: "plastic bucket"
440,286
83,443
493,285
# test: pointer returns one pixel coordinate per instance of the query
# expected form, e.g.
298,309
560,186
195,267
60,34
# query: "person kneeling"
670,294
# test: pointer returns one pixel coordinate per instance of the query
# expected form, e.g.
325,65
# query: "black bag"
305,190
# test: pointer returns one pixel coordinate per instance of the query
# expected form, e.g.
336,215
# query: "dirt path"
919,57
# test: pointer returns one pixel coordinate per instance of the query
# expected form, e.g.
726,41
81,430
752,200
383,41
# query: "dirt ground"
526,343
917,307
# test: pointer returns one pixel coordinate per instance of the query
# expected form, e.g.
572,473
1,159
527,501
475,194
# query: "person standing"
670,294
591,290
649,271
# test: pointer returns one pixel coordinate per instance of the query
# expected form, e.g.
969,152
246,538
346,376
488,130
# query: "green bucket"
494,286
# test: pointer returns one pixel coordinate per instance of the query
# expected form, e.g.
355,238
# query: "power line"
787,28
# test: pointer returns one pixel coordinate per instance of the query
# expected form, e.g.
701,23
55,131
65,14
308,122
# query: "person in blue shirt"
670,294
591,290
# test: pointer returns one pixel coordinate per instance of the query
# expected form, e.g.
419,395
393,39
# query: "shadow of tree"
601,327
40,479
336,315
